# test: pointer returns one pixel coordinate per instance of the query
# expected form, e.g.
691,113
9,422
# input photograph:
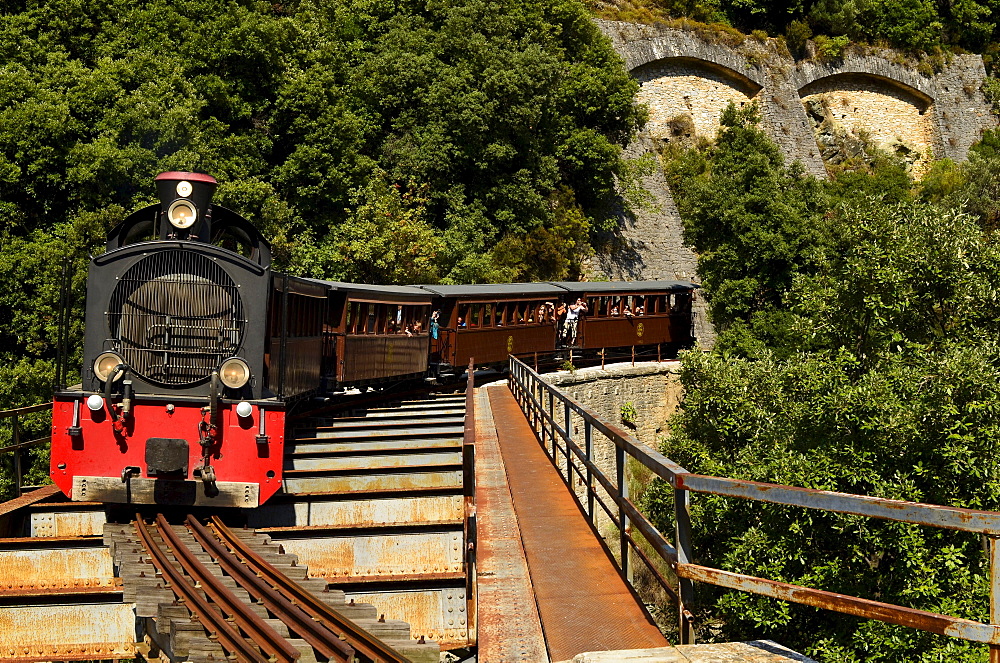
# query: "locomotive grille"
174,316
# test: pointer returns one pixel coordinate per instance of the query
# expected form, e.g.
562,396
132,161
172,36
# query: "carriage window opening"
488,319
463,316
369,314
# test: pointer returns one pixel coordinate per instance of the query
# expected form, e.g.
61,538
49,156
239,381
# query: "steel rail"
262,633
363,642
318,635
229,636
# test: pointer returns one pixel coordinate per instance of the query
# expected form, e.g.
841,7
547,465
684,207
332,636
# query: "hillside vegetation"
858,322
377,141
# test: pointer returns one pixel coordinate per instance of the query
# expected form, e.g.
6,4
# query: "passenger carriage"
656,314
488,322
375,333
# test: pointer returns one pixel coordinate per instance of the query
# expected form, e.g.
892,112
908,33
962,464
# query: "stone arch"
850,108
686,96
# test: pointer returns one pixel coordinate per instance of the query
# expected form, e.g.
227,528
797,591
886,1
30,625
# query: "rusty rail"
557,438
358,639
318,635
274,646
17,444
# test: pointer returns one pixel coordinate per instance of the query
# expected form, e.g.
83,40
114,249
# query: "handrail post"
994,548
541,412
622,518
569,436
552,428
588,441
17,454
685,587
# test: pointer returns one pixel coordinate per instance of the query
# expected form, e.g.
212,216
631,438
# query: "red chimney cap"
191,177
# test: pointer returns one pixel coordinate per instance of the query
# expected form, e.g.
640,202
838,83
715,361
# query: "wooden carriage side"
294,350
376,333
638,313
491,321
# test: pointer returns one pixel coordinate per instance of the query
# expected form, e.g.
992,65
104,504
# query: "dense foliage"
925,27
857,353
381,141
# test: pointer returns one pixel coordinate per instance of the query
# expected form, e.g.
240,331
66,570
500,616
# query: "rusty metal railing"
555,428
469,492
17,444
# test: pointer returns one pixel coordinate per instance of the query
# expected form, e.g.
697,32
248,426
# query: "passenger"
572,317
640,310
627,311
417,327
614,310
461,322
559,314
435,326
408,330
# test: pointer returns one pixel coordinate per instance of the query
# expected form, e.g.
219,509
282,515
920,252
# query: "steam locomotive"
195,349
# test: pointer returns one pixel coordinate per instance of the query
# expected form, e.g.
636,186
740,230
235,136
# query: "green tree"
754,222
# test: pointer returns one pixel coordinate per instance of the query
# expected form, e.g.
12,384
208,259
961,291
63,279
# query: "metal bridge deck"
583,602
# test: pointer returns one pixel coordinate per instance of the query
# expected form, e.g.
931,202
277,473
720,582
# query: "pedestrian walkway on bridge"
549,590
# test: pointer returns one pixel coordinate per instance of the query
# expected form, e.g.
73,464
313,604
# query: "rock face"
818,112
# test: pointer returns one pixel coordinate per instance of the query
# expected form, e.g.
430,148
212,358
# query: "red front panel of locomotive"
89,462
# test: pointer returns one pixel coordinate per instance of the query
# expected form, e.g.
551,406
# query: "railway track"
365,549
208,592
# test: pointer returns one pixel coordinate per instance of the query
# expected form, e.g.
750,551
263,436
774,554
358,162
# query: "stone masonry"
687,81
652,389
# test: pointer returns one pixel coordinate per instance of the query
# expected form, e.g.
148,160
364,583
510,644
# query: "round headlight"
105,363
182,214
244,409
95,402
234,373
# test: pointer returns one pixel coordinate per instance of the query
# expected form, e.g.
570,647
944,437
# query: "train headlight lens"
105,363
95,403
244,409
182,214
234,373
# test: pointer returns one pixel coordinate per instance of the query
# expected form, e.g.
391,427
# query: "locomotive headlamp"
105,363
95,403
244,409
234,373
182,214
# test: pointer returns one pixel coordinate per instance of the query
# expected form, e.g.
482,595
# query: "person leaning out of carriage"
573,312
